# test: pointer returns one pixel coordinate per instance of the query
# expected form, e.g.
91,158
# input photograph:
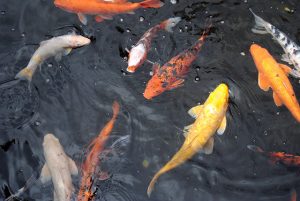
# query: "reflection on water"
72,98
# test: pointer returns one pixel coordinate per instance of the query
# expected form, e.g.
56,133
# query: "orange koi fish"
103,9
287,159
91,163
170,76
138,54
274,75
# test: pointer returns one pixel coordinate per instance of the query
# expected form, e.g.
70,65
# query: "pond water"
72,98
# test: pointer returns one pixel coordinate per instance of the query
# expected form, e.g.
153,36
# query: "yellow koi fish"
210,117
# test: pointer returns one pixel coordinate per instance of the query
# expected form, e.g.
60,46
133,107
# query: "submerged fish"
90,166
274,75
171,75
210,117
293,195
138,54
291,49
103,10
58,168
54,47
287,159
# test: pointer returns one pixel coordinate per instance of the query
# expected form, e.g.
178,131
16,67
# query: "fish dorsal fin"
277,100
285,68
195,111
209,146
176,84
222,127
262,82
186,129
155,68
72,167
45,174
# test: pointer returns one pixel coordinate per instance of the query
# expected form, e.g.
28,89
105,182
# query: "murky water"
72,98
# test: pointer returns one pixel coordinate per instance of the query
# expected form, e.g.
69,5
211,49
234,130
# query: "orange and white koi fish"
210,117
293,195
138,54
89,167
171,75
287,159
103,10
54,47
274,75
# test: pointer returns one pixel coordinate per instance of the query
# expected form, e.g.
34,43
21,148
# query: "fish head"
77,40
136,57
64,4
50,141
219,97
259,54
155,87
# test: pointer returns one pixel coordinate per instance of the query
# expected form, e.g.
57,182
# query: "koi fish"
103,10
210,117
291,49
138,54
287,159
171,74
89,167
58,168
274,75
54,47
293,195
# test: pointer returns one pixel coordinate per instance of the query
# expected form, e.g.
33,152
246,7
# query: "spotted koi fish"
138,54
171,75
291,49
287,159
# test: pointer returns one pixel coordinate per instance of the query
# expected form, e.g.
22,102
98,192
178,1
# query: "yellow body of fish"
210,117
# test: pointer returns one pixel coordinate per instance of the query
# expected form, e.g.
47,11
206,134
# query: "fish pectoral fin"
285,68
277,100
45,174
82,18
106,17
73,168
262,82
222,127
195,111
98,18
67,50
176,84
286,58
55,198
209,146
186,129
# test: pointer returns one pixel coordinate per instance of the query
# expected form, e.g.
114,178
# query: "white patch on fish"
136,55
58,168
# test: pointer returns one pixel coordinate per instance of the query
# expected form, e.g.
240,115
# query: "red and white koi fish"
89,167
104,10
138,54
171,75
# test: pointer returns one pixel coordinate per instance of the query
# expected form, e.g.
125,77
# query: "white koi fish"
138,54
58,168
54,47
291,49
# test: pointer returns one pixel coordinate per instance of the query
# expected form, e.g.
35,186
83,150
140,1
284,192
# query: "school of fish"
210,117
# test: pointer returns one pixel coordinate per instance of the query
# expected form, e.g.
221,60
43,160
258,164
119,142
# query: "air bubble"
121,19
142,19
197,78
2,12
128,30
180,30
173,1
198,68
50,65
23,35
37,123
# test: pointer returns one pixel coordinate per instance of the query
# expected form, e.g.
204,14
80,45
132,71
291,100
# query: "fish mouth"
131,69
147,96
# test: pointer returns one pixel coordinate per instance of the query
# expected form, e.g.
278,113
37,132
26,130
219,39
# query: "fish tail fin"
170,23
151,4
255,148
116,109
25,74
152,183
260,24
206,30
